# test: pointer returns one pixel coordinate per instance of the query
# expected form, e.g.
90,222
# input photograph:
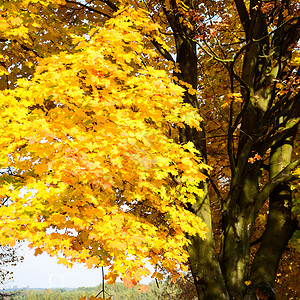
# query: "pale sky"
42,271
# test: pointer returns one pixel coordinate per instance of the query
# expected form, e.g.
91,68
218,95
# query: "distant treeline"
117,291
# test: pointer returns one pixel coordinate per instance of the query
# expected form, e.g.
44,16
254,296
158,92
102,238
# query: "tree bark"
224,277
238,219
280,225
204,263
239,209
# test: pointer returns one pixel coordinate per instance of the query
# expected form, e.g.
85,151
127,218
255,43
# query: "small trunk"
238,220
235,256
203,260
280,226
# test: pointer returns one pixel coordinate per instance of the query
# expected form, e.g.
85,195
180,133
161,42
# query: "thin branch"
284,176
162,51
212,54
21,45
89,8
230,142
271,141
279,131
111,5
215,189
257,241
103,292
216,136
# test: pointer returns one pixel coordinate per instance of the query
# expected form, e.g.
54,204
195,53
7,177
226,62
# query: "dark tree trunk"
280,225
224,276
203,259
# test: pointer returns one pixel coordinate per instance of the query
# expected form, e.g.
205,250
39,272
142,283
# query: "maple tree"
96,179
8,257
121,104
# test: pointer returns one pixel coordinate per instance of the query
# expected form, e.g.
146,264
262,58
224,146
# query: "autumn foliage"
112,113
96,179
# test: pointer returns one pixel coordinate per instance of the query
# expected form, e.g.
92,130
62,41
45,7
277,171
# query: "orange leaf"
143,288
38,251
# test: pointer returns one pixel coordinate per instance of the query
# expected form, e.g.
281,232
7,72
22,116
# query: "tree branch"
243,13
89,8
111,5
162,51
217,191
21,45
284,176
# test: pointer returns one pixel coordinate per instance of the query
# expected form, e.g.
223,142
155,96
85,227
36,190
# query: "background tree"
243,59
9,257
